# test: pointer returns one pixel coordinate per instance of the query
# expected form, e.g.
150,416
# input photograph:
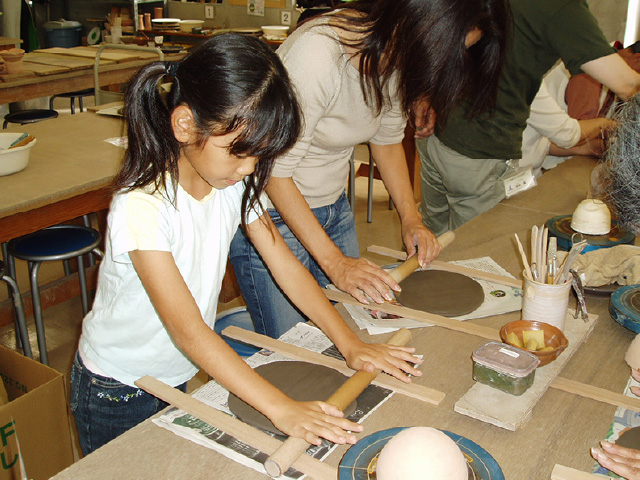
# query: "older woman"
358,72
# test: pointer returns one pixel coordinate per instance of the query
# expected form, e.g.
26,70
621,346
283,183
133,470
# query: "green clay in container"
504,367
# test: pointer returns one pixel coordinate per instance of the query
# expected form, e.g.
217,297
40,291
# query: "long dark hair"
231,83
424,42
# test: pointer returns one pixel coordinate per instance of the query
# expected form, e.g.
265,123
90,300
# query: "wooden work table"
59,70
562,428
70,169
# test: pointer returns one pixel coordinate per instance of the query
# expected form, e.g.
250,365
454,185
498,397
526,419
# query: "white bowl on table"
187,26
275,31
15,159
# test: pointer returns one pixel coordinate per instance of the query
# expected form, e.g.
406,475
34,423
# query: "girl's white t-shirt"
123,336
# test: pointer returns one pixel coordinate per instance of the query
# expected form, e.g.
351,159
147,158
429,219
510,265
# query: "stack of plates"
624,307
166,24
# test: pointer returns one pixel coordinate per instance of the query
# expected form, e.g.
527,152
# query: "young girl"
198,159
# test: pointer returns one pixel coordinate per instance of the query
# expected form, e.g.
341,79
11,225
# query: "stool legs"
34,268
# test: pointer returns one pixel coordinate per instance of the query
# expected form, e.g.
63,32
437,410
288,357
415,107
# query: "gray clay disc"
301,381
444,293
630,438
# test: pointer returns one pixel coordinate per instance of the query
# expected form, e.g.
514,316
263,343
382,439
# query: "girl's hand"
620,460
362,279
312,420
396,361
418,237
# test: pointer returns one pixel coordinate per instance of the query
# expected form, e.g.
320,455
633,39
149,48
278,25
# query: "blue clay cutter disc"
624,307
358,462
560,227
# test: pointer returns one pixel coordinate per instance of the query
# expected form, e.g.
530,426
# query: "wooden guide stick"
596,393
471,272
413,390
292,448
560,472
410,265
234,427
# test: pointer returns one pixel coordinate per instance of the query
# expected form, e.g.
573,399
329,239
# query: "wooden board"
509,411
87,52
560,472
42,70
72,63
413,390
11,77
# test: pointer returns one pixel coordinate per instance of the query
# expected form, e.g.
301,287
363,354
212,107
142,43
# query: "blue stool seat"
238,317
29,116
60,242
79,94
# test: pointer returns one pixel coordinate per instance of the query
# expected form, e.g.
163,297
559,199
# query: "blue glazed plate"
625,307
359,461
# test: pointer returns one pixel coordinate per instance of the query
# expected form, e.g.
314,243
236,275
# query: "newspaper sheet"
498,299
191,428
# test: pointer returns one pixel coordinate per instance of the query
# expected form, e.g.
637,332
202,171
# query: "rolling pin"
293,447
409,266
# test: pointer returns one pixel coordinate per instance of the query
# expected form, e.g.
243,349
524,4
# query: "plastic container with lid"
504,367
64,33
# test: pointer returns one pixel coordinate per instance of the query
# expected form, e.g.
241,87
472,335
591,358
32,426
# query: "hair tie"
172,68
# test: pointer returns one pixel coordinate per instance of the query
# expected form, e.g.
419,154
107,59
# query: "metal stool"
60,242
22,336
79,94
29,116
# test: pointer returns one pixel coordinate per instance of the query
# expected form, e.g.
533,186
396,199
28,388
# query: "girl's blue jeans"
104,408
271,311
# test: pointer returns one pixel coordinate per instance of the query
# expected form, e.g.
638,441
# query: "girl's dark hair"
231,83
424,42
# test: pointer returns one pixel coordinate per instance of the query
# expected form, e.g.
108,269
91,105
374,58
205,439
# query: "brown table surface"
69,171
70,73
561,429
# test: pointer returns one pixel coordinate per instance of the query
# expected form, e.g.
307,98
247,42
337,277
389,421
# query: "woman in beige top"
358,71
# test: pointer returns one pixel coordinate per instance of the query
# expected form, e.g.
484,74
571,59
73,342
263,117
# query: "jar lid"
507,359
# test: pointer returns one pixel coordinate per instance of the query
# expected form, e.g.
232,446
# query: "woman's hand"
418,237
362,279
620,460
394,360
312,420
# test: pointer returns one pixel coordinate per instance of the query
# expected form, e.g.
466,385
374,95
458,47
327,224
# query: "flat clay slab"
630,438
301,381
444,293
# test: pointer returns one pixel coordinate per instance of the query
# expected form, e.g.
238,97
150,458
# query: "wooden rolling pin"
409,266
293,447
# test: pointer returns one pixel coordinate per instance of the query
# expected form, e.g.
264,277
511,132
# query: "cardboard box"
35,422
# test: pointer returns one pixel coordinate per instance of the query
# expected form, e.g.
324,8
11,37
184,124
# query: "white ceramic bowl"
15,159
591,217
188,25
279,31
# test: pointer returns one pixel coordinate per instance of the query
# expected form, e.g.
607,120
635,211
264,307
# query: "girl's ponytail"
153,150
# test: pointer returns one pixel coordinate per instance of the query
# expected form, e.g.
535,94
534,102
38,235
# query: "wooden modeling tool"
523,256
292,448
23,142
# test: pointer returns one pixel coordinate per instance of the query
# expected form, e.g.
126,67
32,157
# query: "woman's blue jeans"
104,408
271,311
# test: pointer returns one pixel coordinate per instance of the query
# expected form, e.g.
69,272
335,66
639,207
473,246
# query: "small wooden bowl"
553,337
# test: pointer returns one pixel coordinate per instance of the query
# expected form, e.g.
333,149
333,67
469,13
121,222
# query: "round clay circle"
444,293
630,438
301,381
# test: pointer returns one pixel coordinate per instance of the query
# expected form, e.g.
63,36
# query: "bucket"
545,302
64,33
